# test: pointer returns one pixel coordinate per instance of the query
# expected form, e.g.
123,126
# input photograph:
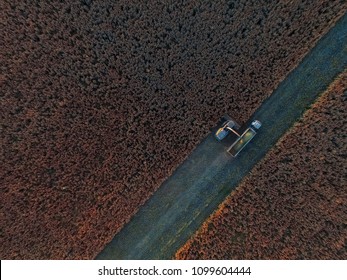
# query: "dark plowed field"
101,101
294,203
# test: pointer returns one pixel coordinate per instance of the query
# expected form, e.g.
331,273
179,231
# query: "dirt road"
203,181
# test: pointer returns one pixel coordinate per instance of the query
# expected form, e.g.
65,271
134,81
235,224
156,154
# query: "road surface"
203,181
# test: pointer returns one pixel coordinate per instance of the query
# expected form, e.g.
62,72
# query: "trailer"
244,139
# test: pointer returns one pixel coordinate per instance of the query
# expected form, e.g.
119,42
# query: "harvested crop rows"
101,101
293,205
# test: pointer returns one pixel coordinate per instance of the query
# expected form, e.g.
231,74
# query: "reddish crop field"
293,205
101,101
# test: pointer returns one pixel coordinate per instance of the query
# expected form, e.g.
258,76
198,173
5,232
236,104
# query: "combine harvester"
231,126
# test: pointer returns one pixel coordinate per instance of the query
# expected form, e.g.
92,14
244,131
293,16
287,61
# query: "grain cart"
244,139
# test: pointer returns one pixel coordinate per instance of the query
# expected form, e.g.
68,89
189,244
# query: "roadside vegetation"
102,100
